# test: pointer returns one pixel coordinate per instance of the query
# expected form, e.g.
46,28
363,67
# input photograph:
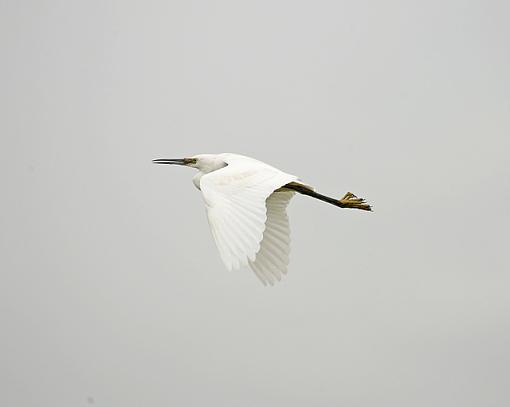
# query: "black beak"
176,161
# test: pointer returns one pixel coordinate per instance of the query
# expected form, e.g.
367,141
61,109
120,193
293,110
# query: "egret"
246,202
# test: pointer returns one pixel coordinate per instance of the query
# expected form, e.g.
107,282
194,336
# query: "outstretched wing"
273,257
235,198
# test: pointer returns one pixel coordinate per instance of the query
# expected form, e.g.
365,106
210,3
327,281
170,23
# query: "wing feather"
235,198
271,261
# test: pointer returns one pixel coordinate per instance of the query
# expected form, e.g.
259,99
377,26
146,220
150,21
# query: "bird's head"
203,162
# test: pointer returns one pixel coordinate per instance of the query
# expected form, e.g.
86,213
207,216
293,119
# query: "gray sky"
112,291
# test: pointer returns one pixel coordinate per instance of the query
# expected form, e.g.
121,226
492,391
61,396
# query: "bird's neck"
205,165
196,179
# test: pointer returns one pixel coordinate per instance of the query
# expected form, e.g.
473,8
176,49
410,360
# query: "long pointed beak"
176,161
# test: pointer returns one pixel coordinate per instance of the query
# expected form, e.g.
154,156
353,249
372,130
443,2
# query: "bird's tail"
348,201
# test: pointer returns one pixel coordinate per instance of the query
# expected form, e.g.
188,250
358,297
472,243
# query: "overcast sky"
112,292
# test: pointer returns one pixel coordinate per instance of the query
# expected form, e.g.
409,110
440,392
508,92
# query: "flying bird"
246,202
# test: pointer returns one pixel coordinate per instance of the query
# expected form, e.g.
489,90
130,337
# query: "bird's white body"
246,213
246,202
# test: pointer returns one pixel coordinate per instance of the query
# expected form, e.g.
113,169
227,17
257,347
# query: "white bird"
246,202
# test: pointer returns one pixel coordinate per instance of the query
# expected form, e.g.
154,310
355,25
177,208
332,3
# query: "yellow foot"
352,201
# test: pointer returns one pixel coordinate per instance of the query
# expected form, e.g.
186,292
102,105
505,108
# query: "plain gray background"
112,291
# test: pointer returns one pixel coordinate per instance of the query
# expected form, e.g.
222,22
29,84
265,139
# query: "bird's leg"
348,201
352,201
